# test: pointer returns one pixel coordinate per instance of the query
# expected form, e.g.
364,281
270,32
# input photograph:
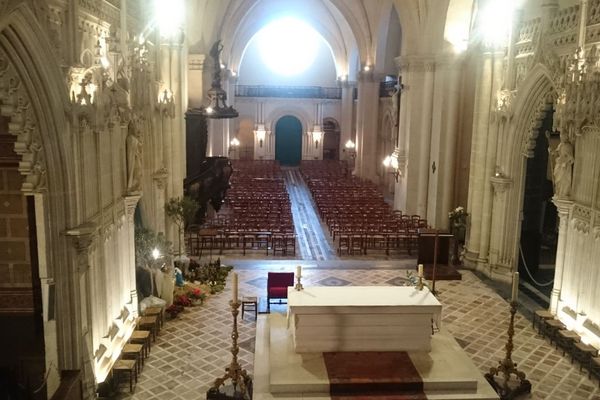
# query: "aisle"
313,242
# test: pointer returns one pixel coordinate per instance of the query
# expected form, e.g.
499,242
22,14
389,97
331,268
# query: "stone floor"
192,350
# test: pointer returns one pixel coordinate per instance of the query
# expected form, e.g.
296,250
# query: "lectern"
426,245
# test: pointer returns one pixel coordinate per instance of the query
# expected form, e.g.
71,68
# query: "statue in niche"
563,167
134,158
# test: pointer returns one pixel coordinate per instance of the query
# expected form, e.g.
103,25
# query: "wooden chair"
143,338
277,286
123,367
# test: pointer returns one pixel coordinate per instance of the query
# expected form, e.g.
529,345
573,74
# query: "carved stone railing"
300,92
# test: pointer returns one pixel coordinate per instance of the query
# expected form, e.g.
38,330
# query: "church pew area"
255,218
354,210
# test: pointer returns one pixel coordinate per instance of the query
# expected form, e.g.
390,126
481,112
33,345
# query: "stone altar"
362,318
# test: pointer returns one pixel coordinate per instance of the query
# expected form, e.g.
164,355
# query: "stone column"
195,77
367,126
490,164
426,113
500,184
448,149
80,317
477,177
347,110
400,191
564,209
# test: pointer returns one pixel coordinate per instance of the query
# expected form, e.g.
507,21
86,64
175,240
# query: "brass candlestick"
508,388
298,283
420,284
242,382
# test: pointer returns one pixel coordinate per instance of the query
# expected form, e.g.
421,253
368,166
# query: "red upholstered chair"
277,286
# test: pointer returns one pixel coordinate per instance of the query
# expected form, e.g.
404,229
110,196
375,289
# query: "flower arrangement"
173,310
458,216
182,300
196,294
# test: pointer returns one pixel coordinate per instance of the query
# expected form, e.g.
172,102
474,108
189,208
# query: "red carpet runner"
373,375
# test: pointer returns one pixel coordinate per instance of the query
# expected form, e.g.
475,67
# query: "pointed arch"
538,94
33,98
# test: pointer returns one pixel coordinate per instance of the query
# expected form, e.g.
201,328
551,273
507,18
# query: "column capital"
564,207
196,62
500,183
160,177
130,205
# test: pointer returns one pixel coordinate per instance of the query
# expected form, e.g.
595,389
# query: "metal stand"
241,388
298,283
507,387
435,252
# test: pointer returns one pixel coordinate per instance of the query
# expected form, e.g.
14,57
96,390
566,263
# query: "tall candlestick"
299,270
234,286
420,270
515,287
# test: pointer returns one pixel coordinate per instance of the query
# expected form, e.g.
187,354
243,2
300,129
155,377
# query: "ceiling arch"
243,20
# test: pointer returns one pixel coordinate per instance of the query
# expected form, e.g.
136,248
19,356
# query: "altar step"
281,373
354,375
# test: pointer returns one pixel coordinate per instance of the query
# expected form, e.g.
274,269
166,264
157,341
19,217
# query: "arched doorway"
539,226
331,139
288,140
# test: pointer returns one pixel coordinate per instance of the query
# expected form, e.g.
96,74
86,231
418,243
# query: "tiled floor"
193,349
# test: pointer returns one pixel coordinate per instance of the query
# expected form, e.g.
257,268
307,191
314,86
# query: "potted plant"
182,211
458,223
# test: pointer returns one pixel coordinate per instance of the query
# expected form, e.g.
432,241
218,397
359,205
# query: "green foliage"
212,274
182,211
147,240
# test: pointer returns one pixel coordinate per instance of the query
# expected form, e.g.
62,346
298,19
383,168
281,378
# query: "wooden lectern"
426,245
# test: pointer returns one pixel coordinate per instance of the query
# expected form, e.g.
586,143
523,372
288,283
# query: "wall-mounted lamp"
350,149
234,144
166,103
367,68
391,163
260,135
317,136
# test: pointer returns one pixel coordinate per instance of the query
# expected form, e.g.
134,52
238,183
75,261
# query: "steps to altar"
446,372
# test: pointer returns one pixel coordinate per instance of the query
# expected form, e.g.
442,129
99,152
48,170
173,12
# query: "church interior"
237,199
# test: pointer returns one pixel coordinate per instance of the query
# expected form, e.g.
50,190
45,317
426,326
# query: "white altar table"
362,318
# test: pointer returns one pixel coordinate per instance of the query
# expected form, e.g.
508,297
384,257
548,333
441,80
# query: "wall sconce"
351,148
317,136
166,103
233,145
391,162
260,135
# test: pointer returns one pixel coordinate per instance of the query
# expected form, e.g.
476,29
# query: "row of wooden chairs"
354,210
256,214
568,341
133,355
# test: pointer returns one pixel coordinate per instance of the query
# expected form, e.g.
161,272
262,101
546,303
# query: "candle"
420,270
298,271
515,287
234,286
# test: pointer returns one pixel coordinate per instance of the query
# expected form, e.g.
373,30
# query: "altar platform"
444,373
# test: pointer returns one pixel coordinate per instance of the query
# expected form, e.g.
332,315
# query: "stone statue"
563,167
134,158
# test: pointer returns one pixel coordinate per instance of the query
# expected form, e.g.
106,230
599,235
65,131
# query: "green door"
288,140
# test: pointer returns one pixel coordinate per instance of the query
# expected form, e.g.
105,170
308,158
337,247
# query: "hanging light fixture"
218,107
